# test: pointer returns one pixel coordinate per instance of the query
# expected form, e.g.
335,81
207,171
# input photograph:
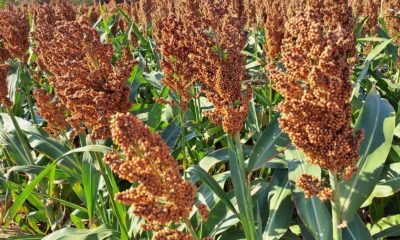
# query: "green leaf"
19,201
252,124
312,211
207,195
279,205
377,121
171,134
241,187
10,141
356,230
39,140
270,144
213,185
213,158
88,148
386,227
219,156
14,81
156,111
371,56
80,234
290,236
90,182
389,183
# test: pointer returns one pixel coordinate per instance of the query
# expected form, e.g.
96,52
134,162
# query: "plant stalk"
241,186
191,229
335,202
183,141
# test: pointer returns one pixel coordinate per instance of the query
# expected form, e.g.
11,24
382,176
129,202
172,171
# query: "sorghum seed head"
317,52
312,186
162,195
51,111
83,76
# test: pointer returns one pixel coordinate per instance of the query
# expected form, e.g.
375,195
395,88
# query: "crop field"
200,119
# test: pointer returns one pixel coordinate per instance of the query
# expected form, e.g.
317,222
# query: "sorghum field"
200,120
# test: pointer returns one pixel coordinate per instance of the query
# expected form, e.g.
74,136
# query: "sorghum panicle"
201,42
84,79
162,195
4,100
367,8
51,111
392,18
274,29
175,34
220,63
14,31
318,50
277,13
171,234
312,186
255,12
203,210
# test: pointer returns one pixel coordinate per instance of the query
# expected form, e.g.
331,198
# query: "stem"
335,202
191,229
241,185
239,150
185,163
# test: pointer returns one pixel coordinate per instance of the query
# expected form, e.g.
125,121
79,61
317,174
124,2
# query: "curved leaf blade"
377,121
268,146
213,185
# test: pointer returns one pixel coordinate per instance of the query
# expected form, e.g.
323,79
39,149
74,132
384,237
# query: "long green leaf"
313,213
377,121
90,181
